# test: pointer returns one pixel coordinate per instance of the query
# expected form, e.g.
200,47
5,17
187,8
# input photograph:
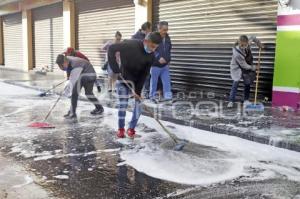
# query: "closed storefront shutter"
13,46
203,33
48,35
97,22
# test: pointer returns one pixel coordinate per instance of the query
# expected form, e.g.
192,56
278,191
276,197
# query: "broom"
178,145
44,124
256,107
43,94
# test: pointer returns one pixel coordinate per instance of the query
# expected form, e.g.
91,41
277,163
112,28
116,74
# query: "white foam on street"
181,168
8,89
166,164
28,180
61,177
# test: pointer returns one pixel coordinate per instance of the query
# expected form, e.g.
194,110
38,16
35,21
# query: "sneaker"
230,105
97,111
68,114
71,116
131,133
121,133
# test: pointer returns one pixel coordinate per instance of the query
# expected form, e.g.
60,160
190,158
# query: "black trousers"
88,85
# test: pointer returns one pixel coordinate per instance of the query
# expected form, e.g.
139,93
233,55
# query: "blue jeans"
147,86
234,90
124,95
164,74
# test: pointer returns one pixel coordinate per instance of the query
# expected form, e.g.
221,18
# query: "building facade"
33,32
286,85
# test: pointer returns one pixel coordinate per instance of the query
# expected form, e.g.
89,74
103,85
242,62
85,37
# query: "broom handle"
257,76
55,86
54,105
150,112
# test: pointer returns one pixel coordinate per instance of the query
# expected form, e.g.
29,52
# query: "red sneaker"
131,133
121,133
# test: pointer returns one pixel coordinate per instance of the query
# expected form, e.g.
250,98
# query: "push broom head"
255,107
179,146
43,94
41,125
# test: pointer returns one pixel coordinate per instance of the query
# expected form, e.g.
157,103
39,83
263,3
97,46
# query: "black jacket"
135,62
163,50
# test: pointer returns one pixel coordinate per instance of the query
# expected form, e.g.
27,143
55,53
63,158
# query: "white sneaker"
230,105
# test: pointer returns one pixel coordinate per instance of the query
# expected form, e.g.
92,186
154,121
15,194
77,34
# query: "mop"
45,93
256,107
44,124
179,145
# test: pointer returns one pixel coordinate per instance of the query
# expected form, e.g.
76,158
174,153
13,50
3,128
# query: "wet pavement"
273,127
83,159
74,160
16,182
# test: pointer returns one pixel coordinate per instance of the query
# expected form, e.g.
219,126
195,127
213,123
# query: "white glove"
68,89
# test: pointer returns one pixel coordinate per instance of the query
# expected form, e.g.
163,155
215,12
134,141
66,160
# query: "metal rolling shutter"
13,46
203,33
97,23
48,34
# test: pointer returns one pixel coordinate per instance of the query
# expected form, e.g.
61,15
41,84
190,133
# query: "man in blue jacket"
141,33
160,67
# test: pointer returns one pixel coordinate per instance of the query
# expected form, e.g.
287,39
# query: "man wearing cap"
82,75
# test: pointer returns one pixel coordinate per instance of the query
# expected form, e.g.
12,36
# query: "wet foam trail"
215,158
211,159
183,168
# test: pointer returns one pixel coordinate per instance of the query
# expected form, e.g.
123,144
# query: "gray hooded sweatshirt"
237,62
81,69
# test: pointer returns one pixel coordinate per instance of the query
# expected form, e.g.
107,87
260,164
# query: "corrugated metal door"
97,22
203,33
48,34
13,46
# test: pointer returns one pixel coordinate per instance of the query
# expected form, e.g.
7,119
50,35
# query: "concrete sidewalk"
274,127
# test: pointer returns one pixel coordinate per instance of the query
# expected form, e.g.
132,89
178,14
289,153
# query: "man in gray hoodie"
241,67
82,75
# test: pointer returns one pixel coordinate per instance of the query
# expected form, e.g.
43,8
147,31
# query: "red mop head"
41,125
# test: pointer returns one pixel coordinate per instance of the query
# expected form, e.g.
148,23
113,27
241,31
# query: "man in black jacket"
136,59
